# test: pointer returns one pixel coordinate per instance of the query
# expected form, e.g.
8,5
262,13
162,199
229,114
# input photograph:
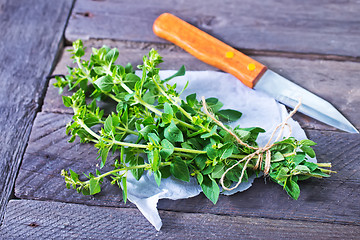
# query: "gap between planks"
32,219
320,200
250,52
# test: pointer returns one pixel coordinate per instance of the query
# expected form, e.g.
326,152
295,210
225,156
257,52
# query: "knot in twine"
259,151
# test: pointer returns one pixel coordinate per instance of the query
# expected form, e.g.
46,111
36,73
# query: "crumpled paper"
258,110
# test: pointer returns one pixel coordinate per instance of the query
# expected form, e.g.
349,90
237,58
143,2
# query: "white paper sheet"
258,110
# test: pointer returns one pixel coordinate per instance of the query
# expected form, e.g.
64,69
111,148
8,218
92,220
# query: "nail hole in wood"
34,224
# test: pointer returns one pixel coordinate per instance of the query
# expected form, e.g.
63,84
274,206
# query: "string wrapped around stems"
259,151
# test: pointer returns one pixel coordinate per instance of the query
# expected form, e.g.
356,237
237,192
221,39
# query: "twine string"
259,151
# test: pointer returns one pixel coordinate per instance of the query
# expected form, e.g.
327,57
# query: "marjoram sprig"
171,136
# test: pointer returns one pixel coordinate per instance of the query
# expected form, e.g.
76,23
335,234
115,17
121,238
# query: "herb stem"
147,165
143,146
128,130
118,80
186,114
84,70
133,145
91,132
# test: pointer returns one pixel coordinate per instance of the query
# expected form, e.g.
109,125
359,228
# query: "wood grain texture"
325,27
336,82
31,34
326,200
51,220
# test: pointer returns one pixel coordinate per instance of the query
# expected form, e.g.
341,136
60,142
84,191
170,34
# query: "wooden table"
315,44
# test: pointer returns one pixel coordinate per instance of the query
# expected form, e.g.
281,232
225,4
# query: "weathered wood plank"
52,220
327,200
31,34
336,82
327,27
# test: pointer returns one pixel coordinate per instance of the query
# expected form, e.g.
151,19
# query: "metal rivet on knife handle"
207,48
229,55
251,67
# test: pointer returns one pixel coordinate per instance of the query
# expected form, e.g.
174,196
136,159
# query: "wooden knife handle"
208,49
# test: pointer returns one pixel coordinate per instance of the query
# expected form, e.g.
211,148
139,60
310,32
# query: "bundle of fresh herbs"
173,135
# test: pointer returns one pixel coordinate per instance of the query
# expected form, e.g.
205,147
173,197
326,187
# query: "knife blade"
250,72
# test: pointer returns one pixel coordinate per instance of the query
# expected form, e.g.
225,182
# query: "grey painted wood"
326,200
52,220
324,27
31,34
336,82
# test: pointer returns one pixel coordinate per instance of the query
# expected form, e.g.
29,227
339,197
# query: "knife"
250,72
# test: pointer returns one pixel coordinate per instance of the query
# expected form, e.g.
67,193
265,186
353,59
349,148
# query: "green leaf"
74,176
131,79
146,130
91,121
312,166
165,171
179,169
100,70
115,120
228,115
173,133
85,191
104,152
254,132
129,96
119,106
218,170
124,187
67,101
319,173
302,168
207,170
298,158
191,100
210,134
133,162
166,118
167,149
212,153
180,72
243,134
94,186
78,48
200,178
149,97
112,55
200,161
168,109
105,83
157,176
129,68
307,142
210,189
79,52
292,188
214,104
108,124
308,150
282,174
226,151
303,177
154,139
277,157
125,116
234,174
154,159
